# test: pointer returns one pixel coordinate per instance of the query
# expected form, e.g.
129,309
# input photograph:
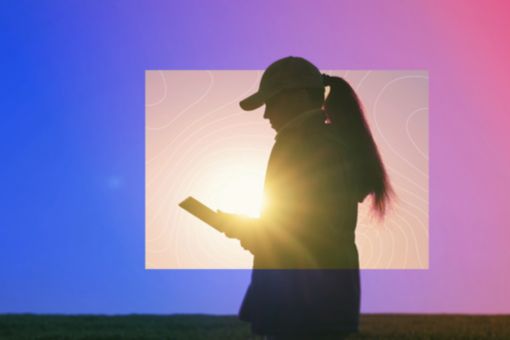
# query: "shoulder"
315,142
325,141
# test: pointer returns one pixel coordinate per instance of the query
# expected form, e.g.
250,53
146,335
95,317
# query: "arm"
240,227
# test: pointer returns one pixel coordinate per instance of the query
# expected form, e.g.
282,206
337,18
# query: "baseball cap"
286,73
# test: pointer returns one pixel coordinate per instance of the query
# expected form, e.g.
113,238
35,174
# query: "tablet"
200,210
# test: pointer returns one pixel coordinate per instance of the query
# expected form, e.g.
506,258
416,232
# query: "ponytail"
344,111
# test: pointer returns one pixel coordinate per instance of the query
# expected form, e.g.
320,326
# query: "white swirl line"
392,170
195,142
419,198
211,83
413,233
409,134
207,114
170,189
374,114
362,80
379,240
366,259
166,201
399,215
165,91
184,141
418,254
392,255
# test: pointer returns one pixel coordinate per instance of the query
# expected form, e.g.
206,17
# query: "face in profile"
283,107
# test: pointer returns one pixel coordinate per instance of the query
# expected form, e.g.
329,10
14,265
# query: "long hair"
345,112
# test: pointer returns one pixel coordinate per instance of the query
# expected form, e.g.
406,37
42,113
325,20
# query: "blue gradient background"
72,143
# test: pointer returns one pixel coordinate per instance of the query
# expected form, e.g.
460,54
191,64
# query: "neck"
298,118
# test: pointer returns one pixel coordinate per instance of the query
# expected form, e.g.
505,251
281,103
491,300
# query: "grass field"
136,326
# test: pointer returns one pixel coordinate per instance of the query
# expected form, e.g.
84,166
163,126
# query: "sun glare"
238,189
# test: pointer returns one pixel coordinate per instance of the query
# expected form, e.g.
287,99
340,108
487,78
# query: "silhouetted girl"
305,283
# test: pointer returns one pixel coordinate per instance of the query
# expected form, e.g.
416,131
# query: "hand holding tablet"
203,212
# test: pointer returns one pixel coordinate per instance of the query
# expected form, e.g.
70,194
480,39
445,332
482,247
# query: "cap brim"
257,99
253,102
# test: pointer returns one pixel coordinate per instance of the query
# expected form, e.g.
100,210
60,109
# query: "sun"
238,188
242,195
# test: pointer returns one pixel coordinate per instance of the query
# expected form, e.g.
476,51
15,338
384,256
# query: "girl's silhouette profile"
305,282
